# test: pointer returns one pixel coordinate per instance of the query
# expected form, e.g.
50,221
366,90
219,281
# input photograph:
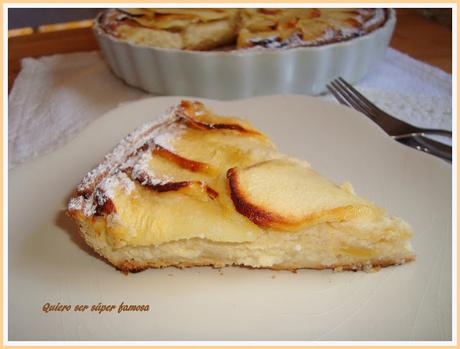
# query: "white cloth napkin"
54,97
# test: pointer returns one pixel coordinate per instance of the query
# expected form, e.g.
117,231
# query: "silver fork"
402,131
348,95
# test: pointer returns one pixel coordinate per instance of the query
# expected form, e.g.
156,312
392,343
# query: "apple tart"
197,189
218,28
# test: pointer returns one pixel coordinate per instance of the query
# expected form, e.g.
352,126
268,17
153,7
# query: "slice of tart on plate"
198,189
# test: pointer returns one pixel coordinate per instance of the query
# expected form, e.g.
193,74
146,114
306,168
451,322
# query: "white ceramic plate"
49,263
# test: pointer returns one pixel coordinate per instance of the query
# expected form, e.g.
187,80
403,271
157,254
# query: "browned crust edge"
131,266
134,267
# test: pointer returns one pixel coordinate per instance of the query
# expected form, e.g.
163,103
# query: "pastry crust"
133,267
198,189
126,263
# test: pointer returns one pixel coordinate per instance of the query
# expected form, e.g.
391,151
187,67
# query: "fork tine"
348,97
337,95
358,105
371,106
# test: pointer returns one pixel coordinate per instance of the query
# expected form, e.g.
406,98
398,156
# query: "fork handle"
425,131
429,146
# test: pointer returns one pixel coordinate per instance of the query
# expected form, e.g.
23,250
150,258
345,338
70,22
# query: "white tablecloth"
54,97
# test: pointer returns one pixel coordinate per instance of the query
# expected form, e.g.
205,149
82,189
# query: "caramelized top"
305,27
259,27
198,175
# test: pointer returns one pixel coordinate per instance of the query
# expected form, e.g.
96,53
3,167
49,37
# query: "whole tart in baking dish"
198,189
209,29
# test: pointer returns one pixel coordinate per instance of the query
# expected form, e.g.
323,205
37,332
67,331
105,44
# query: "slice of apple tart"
196,189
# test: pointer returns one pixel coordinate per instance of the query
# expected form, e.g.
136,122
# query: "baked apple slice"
288,194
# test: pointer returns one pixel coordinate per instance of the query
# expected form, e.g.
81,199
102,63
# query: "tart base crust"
133,267
130,265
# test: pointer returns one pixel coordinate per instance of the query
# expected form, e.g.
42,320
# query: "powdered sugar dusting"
76,203
133,152
126,183
89,207
124,150
144,174
164,139
119,180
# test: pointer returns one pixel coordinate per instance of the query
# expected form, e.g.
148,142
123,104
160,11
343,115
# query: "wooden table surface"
417,36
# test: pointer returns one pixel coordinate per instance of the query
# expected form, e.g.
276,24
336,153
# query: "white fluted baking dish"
244,73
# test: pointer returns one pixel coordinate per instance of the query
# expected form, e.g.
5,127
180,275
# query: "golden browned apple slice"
188,164
196,115
288,194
